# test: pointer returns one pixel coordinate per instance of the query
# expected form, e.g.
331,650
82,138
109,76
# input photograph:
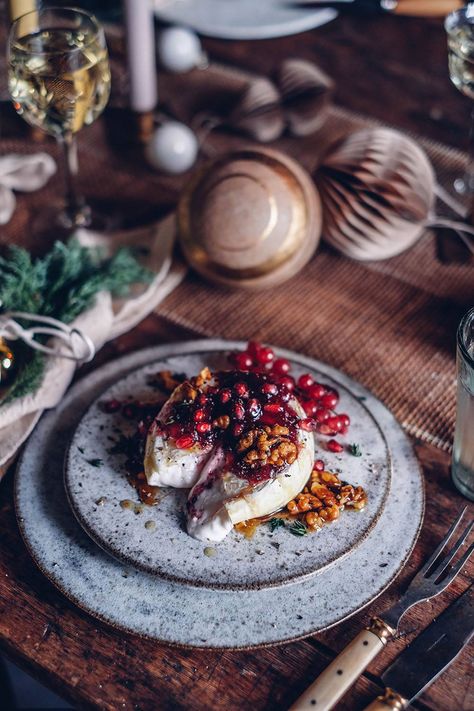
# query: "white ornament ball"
179,49
173,148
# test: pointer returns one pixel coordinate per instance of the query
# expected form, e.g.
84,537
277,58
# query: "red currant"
202,399
243,361
281,366
288,383
334,423
321,414
334,446
310,407
265,356
254,348
324,429
330,400
316,391
345,419
305,381
319,465
199,415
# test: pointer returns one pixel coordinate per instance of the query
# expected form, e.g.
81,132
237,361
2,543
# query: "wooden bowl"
250,219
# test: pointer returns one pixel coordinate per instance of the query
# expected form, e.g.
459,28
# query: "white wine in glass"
59,81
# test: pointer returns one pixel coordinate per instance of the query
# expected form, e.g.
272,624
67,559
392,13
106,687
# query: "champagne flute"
459,26
59,81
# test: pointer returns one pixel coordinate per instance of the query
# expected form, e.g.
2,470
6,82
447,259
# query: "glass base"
463,480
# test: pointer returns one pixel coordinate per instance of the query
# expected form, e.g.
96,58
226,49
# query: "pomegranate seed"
310,407
253,408
238,411
335,423
344,430
281,366
225,395
307,424
199,415
324,429
334,446
345,419
330,400
288,383
273,408
184,442
285,396
265,356
319,465
202,399
237,430
111,406
254,348
241,389
243,361
317,391
270,389
321,414
203,427
305,381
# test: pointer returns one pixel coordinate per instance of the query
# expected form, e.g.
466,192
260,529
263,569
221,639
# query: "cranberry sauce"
248,413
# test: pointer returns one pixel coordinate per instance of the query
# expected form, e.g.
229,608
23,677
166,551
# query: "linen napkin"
105,320
24,174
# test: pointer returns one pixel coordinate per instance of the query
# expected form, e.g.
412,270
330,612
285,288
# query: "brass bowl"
249,219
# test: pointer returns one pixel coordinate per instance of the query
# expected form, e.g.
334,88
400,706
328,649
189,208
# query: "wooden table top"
388,67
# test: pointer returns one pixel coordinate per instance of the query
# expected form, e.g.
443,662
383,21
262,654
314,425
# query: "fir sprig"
62,284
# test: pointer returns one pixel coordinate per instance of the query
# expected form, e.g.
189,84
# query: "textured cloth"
22,173
105,320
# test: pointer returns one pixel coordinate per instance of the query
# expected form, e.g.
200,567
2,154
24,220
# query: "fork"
430,580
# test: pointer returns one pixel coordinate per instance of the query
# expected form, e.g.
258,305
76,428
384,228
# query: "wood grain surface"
395,69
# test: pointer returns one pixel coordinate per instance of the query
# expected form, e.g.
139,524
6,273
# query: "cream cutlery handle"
390,701
339,676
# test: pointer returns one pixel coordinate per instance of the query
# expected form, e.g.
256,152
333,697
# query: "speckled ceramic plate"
179,614
168,551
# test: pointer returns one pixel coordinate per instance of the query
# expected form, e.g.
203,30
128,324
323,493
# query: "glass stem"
77,213
469,179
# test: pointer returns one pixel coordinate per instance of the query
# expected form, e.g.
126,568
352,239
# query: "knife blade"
418,8
425,659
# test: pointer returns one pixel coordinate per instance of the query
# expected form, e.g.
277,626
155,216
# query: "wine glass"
59,81
459,26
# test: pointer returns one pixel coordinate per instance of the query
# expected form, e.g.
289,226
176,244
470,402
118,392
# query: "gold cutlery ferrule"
392,700
383,631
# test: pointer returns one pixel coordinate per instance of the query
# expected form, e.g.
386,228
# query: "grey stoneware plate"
182,615
94,474
243,19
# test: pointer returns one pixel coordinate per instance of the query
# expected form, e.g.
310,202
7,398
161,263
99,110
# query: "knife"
420,664
418,8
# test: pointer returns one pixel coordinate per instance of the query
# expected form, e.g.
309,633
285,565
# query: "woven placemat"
391,325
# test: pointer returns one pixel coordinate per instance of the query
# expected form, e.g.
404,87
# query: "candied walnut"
222,422
329,513
313,521
246,441
329,478
279,430
204,376
165,380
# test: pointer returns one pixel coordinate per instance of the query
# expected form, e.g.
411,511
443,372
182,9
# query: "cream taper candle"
140,32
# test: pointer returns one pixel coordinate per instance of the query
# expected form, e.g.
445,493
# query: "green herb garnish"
355,450
95,462
298,529
62,284
275,523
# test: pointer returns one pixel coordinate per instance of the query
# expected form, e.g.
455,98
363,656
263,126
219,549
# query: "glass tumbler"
463,449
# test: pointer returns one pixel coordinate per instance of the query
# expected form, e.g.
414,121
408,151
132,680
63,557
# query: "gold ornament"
7,362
